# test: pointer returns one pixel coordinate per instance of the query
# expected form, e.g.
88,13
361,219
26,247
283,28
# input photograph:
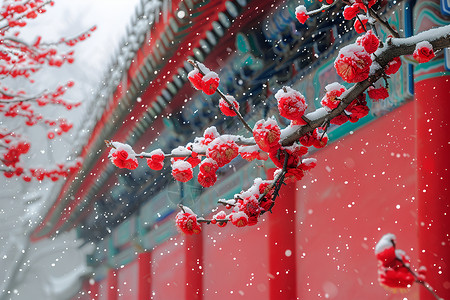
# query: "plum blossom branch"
322,8
222,95
439,39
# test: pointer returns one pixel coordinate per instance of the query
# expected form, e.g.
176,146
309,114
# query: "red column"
433,162
93,290
282,266
194,266
112,284
145,275
432,93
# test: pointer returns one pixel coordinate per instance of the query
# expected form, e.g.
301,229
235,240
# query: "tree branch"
439,39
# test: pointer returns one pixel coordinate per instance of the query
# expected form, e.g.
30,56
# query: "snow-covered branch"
439,38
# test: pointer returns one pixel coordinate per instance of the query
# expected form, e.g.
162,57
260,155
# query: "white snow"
385,242
424,44
301,9
181,165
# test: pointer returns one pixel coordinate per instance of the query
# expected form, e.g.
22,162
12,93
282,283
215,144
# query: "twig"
362,24
322,8
208,221
25,14
277,181
386,24
222,95
422,282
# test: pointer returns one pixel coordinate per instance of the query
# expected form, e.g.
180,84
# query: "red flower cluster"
354,111
123,156
226,109
187,222
15,13
353,63
251,203
222,151
296,174
81,37
352,11
208,83
423,52
380,93
369,41
393,66
207,175
294,155
250,153
12,155
209,135
267,134
182,170
394,272
40,174
156,160
221,215
291,104
355,8
334,90
314,138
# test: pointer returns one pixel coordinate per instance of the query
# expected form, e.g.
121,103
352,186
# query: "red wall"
168,273
127,281
236,262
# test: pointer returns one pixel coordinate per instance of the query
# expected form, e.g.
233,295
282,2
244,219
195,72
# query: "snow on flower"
352,11
238,219
222,151
353,63
156,160
301,14
123,156
423,52
330,101
393,265
221,215
370,42
267,134
209,135
291,104
225,107
210,83
186,222
195,77
250,153
182,171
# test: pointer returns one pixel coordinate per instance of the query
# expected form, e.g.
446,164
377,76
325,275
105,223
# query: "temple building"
319,241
